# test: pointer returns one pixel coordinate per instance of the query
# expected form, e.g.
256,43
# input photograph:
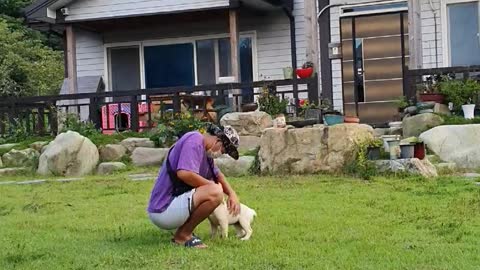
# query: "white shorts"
176,214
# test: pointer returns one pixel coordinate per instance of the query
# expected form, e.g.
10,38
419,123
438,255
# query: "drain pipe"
436,33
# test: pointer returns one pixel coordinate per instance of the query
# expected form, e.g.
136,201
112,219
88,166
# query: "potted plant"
309,110
306,71
270,103
330,116
429,89
418,148
463,94
373,148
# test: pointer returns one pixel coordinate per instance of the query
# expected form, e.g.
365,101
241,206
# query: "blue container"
331,119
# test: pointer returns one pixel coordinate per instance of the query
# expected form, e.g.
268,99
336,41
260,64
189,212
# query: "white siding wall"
93,9
90,54
428,34
272,31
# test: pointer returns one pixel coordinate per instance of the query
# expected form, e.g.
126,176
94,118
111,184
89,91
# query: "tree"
27,66
13,8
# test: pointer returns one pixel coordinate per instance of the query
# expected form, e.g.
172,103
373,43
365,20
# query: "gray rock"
143,156
415,125
411,110
426,111
112,152
395,131
412,166
472,175
132,143
38,146
67,180
248,123
248,143
12,171
234,168
459,144
110,167
21,158
141,175
70,154
441,109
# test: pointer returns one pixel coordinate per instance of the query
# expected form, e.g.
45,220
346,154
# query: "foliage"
430,85
361,166
403,103
255,167
13,7
16,131
27,66
73,123
460,92
307,64
459,120
270,103
169,129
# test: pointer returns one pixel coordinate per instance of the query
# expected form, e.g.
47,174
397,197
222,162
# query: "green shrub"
270,103
460,92
169,129
255,168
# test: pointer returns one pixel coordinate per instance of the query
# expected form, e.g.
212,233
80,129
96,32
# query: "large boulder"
441,109
459,144
110,167
311,150
132,143
248,123
248,143
415,125
1,163
144,156
234,168
70,154
112,152
21,158
413,166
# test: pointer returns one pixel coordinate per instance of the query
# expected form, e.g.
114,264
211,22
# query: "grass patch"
459,120
312,222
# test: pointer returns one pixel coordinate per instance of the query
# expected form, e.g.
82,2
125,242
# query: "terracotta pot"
304,73
438,98
351,119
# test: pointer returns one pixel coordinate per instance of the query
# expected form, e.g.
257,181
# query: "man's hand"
233,205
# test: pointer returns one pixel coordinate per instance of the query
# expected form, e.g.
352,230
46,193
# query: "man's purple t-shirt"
188,154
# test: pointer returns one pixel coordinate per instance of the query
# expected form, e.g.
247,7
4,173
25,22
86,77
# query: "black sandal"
192,243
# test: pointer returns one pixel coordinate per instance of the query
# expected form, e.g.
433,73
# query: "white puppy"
221,218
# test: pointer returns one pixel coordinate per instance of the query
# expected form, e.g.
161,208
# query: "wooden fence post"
134,113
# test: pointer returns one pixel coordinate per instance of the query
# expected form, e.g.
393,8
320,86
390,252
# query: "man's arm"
233,203
192,179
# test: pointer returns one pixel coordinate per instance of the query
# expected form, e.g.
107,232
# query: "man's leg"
205,200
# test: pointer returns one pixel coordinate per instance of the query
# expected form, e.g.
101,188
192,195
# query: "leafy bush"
85,128
460,92
459,120
361,166
169,129
27,66
270,103
255,168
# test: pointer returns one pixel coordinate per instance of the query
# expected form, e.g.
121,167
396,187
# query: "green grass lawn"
314,222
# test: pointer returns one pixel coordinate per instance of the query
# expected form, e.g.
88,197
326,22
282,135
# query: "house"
361,48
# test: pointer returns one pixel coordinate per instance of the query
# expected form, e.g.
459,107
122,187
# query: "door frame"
400,13
447,58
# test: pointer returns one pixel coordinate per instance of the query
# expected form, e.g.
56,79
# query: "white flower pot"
468,111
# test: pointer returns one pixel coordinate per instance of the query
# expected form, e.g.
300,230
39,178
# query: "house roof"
47,10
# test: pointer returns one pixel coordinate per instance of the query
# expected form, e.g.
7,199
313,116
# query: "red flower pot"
351,120
419,151
438,98
304,73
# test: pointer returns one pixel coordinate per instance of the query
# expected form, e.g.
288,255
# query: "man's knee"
215,193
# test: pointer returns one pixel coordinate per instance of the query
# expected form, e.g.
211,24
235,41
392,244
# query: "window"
463,34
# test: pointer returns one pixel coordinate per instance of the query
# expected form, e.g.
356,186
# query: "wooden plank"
311,31
415,34
71,55
234,48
